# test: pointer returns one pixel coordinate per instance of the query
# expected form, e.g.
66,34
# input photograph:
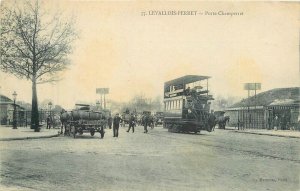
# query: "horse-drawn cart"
81,121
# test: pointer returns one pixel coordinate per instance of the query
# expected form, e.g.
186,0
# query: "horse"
211,122
64,118
221,121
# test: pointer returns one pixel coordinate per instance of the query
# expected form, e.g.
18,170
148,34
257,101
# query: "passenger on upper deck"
188,91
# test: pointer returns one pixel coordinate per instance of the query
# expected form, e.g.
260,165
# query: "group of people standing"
281,123
115,122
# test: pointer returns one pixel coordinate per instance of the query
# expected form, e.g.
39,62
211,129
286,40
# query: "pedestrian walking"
116,125
131,123
211,121
109,121
145,121
48,122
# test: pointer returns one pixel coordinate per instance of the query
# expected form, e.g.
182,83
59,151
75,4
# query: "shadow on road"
84,137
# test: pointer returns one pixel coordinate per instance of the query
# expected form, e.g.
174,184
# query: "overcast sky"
132,54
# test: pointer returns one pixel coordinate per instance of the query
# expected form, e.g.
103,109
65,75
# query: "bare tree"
35,46
140,103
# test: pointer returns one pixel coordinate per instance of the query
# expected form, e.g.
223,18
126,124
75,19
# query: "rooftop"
274,96
186,80
4,99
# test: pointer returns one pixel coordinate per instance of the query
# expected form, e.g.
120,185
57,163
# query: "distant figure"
212,121
131,123
188,91
283,122
145,121
151,121
288,126
276,123
269,123
240,125
116,125
109,121
48,122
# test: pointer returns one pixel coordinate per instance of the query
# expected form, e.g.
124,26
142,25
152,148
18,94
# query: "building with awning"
285,108
259,111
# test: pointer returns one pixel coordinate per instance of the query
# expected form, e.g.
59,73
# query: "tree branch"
32,48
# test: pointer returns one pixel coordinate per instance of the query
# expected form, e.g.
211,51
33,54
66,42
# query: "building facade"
260,111
7,111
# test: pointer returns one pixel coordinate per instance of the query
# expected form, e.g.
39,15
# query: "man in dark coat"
109,121
116,125
211,121
131,123
48,122
145,122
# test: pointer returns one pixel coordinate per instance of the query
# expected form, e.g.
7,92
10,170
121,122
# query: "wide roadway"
159,160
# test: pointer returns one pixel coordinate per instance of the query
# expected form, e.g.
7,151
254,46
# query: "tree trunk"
34,109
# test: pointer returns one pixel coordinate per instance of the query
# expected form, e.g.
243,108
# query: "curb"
229,129
287,136
26,138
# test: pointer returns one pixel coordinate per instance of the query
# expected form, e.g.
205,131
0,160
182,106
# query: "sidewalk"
278,133
22,133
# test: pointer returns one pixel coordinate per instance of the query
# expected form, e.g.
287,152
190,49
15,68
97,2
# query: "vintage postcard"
149,95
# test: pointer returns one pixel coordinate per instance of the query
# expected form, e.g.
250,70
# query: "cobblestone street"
159,160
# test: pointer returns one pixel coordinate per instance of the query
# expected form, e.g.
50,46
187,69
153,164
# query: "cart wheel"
92,132
74,132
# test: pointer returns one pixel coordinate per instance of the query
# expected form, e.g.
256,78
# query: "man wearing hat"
131,123
116,125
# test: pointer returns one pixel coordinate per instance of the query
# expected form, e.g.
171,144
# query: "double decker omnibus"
187,104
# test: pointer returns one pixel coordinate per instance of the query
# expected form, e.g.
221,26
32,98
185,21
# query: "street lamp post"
41,115
50,104
14,112
50,118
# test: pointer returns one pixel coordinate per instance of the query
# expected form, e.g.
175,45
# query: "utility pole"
102,92
249,87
